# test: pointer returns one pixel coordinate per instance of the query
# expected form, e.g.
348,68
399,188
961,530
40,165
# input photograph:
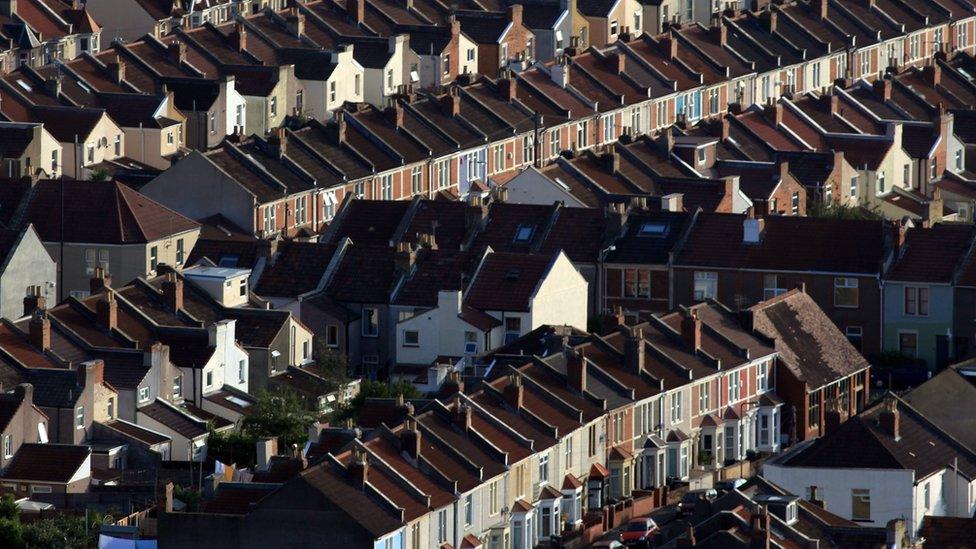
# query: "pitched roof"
828,245
296,268
46,462
366,274
507,281
959,419
932,254
175,419
862,443
101,212
136,432
808,342
948,532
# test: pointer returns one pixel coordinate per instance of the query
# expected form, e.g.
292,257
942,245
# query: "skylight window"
653,228
24,85
228,260
524,233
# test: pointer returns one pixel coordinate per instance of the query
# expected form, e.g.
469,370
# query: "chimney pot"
99,281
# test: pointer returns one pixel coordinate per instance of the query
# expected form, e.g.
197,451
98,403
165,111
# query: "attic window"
524,233
512,274
653,228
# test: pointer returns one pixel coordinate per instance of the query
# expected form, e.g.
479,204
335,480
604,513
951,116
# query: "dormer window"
653,228
524,233
791,512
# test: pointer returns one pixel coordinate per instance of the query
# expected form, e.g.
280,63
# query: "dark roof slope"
787,243
507,281
296,268
46,462
861,443
101,212
932,254
808,342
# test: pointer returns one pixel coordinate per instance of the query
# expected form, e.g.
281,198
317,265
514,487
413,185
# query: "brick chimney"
882,87
515,14
724,129
507,87
670,44
404,257
819,8
238,38
116,70
452,102
514,392
462,414
295,22
39,330
107,311
889,417
173,292
691,329
358,468
759,535
91,372
410,441
25,392
815,498
278,141
576,370
395,114
356,9
621,61
720,33
634,350
34,300
176,51
775,113
99,281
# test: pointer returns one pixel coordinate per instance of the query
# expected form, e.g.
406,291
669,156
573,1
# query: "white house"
886,463
509,295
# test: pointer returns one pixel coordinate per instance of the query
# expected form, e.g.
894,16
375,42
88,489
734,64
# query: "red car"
639,532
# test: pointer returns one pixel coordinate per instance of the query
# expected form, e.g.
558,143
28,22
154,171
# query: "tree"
100,174
60,532
8,508
329,364
278,414
835,210
377,389
233,447
11,533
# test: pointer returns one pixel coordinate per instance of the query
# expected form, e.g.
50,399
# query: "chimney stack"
410,439
882,87
514,392
117,70
173,292
576,370
889,418
99,281
819,8
34,300
25,391
358,468
691,329
815,498
40,330
176,51
832,417
238,38
507,87
356,9
462,414
759,534
634,350
91,372
107,311
515,14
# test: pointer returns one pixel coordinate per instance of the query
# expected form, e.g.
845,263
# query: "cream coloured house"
28,149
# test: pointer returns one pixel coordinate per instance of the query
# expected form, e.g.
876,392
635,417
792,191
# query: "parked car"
639,532
730,484
691,499
607,544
